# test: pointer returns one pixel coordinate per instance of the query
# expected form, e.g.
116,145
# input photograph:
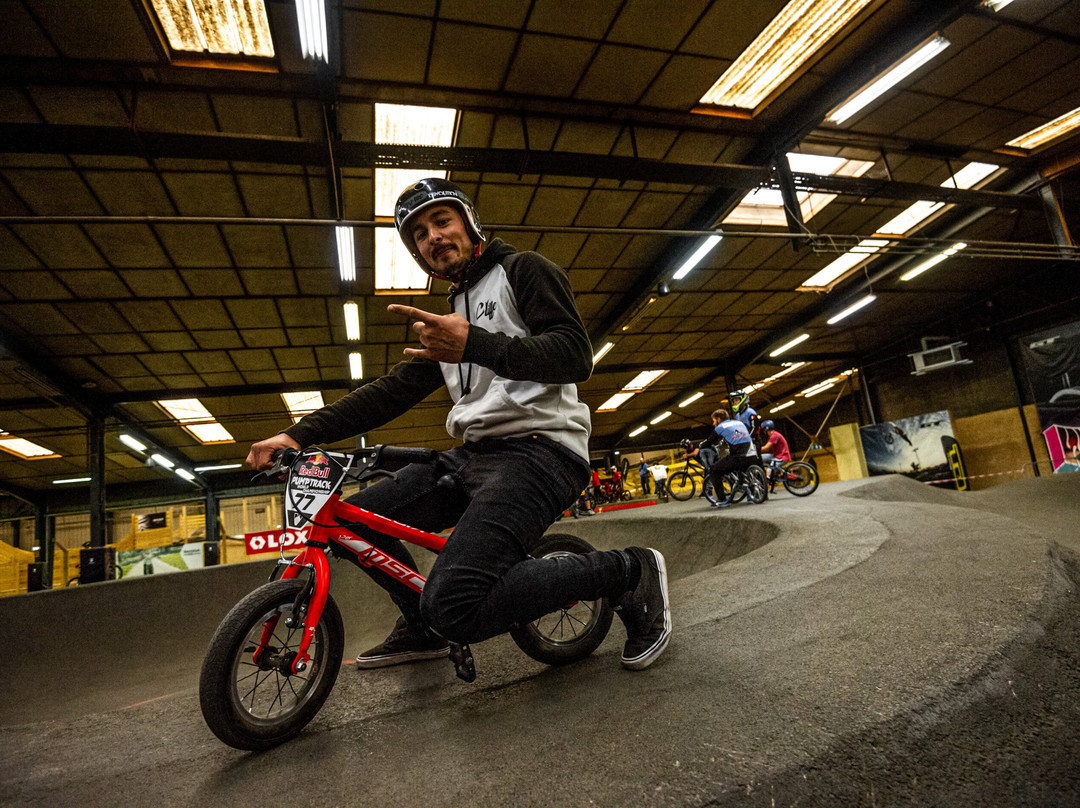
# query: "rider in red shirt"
776,445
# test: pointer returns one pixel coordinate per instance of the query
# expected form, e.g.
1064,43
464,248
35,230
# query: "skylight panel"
1048,132
765,206
196,420
644,379
300,404
232,27
793,37
395,269
25,449
615,402
970,176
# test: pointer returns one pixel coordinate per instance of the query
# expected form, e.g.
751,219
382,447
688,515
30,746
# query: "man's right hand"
260,455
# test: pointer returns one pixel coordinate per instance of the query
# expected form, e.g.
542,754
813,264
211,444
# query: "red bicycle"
276,655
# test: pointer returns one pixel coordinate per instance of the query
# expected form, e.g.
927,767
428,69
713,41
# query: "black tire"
734,487
682,486
710,491
626,496
756,485
571,633
807,478
252,706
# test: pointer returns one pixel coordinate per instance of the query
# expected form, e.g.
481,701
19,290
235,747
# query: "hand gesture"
442,336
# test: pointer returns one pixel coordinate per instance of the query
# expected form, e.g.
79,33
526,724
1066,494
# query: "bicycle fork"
307,608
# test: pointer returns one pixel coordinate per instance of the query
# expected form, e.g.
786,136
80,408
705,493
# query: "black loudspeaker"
211,554
34,574
97,564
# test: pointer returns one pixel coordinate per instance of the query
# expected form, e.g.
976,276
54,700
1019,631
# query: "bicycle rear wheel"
257,705
573,632
710,491
801,479
681,486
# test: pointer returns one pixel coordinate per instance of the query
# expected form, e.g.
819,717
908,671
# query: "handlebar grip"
407,454
284,457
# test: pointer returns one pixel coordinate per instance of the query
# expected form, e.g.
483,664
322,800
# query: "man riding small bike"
510,353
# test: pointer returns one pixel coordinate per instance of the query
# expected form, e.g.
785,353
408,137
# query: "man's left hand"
442,335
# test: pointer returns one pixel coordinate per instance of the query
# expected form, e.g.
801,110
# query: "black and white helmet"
423,194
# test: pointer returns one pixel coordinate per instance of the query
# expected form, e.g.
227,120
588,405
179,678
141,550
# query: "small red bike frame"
322,533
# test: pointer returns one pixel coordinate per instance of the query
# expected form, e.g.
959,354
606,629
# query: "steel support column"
95,462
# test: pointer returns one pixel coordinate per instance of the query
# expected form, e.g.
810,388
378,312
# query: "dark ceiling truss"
117,141
89,405
924,20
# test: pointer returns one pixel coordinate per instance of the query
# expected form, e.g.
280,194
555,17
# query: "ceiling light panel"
794,36
25,449
1048,132
400,124
196,420
216,26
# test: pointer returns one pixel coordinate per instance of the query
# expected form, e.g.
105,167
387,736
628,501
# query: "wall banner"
921,447
1052,361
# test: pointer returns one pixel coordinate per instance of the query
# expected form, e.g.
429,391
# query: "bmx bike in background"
799,478
275,657
683,484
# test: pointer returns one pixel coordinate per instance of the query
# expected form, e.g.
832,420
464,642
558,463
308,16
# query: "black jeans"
501,495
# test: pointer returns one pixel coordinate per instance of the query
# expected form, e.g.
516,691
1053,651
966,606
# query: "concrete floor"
879,642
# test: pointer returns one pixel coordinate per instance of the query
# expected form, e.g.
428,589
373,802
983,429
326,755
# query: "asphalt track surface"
878,643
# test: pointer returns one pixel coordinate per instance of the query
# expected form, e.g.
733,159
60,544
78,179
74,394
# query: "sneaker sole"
387,660
648,657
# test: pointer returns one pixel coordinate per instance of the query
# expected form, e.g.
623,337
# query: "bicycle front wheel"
757,486
681,486
572,632
257,704
800,479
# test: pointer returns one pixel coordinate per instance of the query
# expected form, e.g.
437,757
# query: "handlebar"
370,459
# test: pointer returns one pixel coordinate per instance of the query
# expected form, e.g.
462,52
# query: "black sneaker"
403,645
645,611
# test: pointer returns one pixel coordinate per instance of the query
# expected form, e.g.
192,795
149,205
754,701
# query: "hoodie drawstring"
466,382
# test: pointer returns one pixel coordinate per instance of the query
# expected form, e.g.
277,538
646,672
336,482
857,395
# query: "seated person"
740,455
775,446
703,453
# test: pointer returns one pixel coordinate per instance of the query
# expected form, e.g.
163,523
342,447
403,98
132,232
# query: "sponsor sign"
271,541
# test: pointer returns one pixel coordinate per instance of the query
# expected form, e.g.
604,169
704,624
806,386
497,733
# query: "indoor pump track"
882,642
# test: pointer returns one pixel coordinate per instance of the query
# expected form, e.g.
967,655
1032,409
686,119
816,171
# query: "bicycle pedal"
464,665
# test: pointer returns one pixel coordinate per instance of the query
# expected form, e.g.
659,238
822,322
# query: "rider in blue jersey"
736,437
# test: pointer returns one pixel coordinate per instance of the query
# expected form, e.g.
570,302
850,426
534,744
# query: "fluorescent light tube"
704,249
691,400
783,406
311,18
933,262
356,365
352,321
603,352
346,250
187,475
659,418
132,443
854,307
889,79
162,460
71,480
637,431
792,344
